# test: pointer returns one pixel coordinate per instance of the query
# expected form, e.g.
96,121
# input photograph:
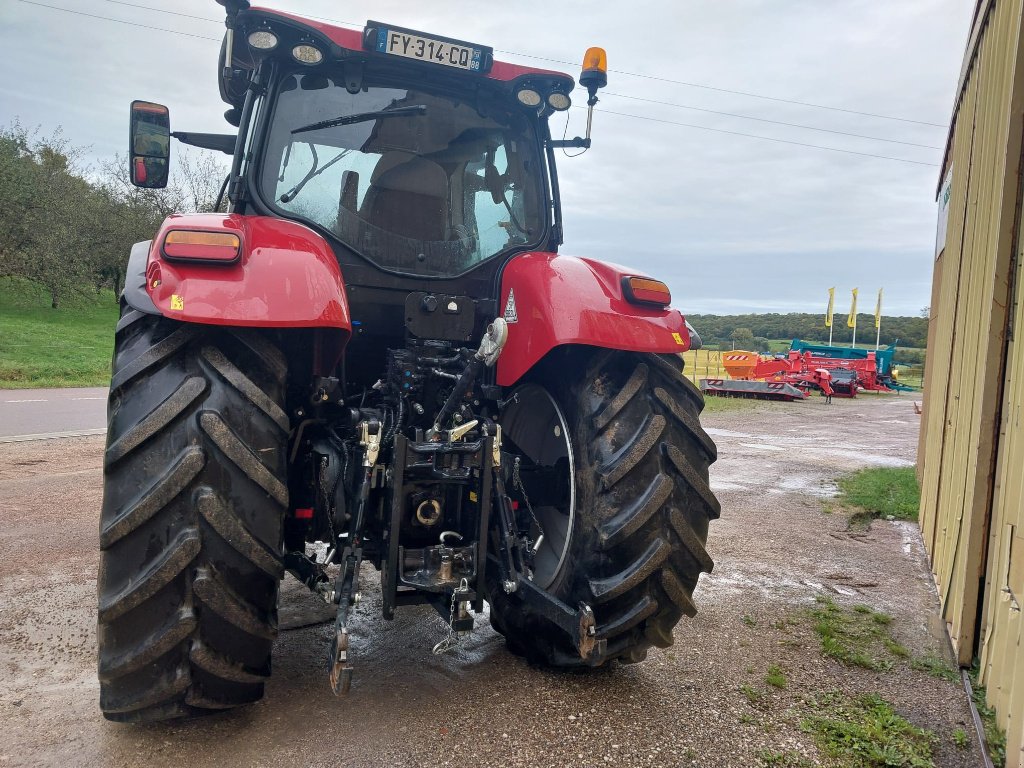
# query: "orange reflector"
644,290
148,106
595,59
201,246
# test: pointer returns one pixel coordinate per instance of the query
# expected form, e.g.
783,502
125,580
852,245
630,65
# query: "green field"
43,347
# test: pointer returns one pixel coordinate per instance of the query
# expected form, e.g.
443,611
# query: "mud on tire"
643,504
194,497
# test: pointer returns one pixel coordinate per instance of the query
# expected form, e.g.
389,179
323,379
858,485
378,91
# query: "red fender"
550,300
285,277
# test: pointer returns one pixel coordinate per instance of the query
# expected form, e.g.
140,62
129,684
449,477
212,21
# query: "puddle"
725,433
725,485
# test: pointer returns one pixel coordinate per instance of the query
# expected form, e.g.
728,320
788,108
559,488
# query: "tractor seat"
408,196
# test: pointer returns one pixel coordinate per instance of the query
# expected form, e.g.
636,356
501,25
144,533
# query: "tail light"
644,290
189,245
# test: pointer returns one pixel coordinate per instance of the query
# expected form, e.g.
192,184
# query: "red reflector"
644,290
140,170
515,504
304,513
201,246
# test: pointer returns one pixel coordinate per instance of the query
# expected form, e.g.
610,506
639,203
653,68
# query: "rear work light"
190,245
644,290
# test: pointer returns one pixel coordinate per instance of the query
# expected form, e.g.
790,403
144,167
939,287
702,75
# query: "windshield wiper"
362,117
313,172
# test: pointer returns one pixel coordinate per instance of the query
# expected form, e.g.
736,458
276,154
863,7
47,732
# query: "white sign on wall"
944,193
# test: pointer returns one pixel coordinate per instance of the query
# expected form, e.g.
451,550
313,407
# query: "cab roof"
347,45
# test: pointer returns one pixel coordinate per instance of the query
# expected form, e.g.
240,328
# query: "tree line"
70,227
755,330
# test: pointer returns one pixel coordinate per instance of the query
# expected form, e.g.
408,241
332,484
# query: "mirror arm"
579,143
221,142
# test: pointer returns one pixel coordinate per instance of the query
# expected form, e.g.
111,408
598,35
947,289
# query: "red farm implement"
754,376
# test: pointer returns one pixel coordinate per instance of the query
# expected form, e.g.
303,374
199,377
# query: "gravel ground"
775,548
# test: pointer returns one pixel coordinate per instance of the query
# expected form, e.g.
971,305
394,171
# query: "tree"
49,210
70,229
742,338
200,177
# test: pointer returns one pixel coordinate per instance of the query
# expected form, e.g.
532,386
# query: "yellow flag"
878,310
851,321
831,306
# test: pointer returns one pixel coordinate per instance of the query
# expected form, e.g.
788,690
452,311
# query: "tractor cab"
423,163
418,154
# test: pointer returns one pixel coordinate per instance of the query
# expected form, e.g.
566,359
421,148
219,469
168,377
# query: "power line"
728,90
773,122
356,25
606,111
163,10
120,21
765,138
774,98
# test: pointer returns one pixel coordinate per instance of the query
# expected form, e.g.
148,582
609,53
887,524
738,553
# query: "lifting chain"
517,483
453,638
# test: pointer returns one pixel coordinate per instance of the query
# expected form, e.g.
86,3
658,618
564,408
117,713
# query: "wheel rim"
535,430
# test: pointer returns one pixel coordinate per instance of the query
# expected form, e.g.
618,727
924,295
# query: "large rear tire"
195,491
637,532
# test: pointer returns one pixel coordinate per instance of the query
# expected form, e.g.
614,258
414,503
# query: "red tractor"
378,348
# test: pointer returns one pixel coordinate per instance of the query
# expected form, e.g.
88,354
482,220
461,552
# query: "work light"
262,40
559,101
528,97
304,53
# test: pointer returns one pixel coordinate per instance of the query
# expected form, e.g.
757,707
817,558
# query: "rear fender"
285,277
551,300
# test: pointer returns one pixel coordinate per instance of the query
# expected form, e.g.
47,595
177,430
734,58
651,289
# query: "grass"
856,637
882,492
866,732
753,695
715,404
43,347
775,677
936,667
771,759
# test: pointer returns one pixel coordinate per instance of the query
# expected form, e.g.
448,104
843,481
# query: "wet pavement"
775,551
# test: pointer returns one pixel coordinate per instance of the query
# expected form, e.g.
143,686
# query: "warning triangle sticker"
510,308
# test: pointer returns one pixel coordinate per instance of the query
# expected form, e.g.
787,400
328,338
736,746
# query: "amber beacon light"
595,70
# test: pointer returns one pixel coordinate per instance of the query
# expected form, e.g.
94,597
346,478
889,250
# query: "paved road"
33,414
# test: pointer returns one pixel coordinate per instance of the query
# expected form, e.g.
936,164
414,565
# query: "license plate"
415,45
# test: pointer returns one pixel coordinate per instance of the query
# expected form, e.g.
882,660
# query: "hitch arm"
580,624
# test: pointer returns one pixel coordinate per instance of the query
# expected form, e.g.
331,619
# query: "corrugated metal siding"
972,449
1002,658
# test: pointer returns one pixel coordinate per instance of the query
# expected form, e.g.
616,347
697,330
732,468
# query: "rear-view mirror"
149,149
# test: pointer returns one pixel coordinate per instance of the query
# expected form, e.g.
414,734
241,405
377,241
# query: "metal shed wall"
972,449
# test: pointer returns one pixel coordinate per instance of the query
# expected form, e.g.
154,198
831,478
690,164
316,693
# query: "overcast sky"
732,223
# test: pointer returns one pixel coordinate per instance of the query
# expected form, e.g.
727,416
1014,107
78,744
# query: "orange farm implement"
759,377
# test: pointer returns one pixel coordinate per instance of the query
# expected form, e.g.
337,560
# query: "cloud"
732,223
